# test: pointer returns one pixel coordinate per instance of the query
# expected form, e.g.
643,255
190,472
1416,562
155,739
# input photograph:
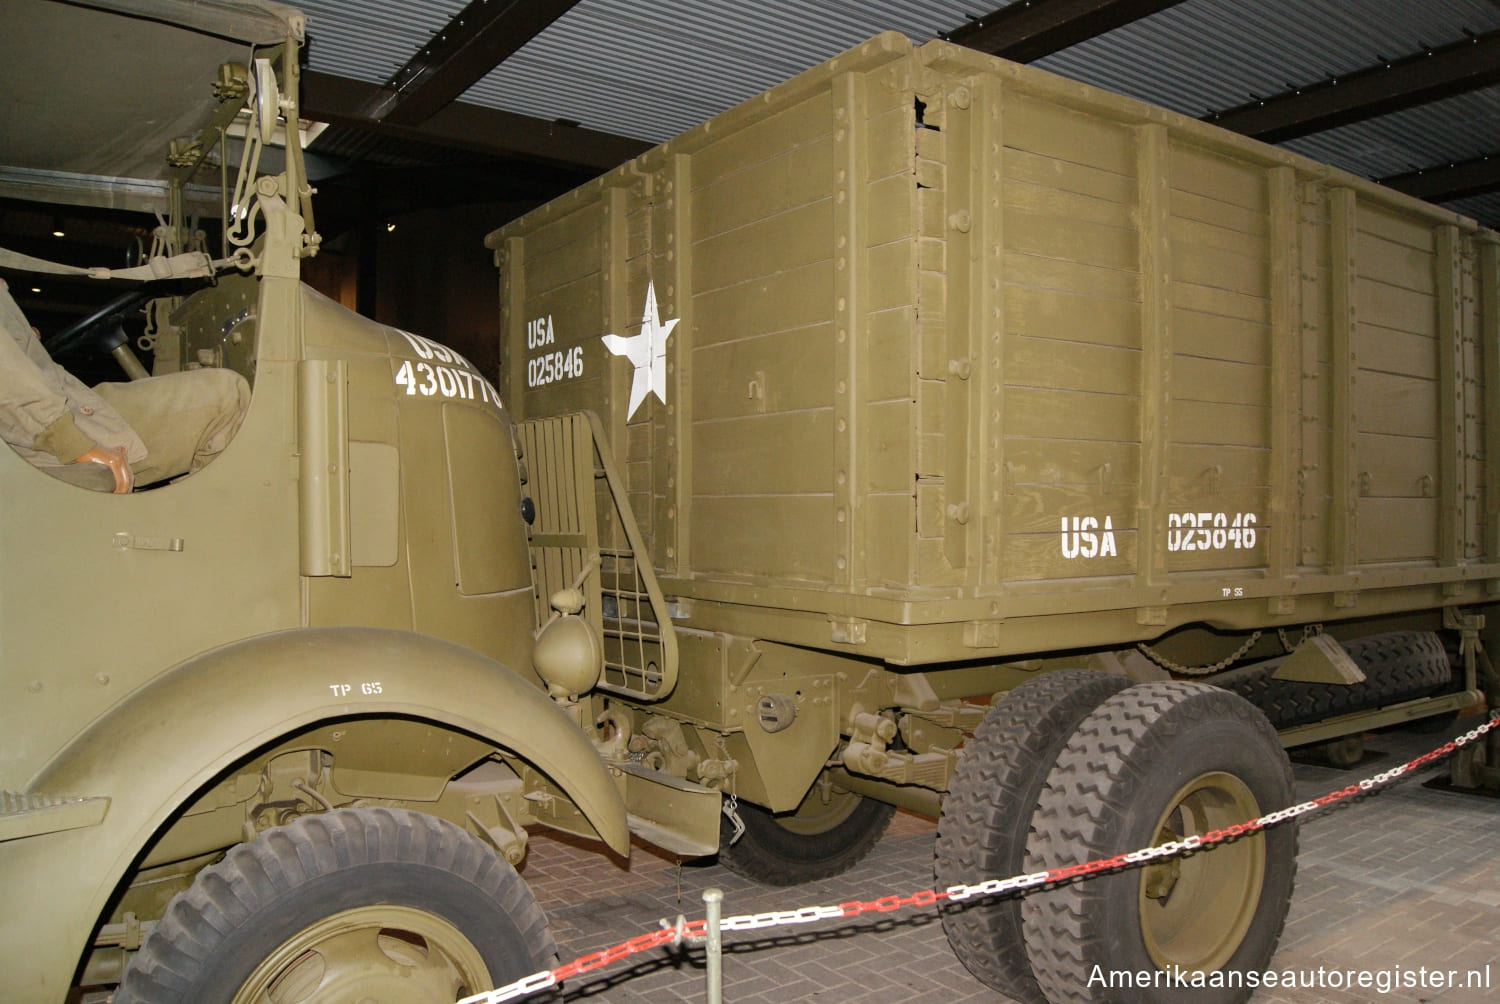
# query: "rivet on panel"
841,478
842,386
102,679
843,563
841,515
843,426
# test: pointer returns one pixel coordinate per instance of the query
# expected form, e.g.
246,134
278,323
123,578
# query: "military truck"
1019,454
849,446
278,716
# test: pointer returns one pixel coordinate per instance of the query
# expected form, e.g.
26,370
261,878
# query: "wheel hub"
1195,911
370,955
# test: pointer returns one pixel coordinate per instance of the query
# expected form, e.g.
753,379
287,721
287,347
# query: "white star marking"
647,352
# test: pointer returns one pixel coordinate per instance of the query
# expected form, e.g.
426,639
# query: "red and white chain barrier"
675,933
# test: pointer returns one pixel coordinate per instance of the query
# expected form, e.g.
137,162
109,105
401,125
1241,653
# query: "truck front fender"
153,752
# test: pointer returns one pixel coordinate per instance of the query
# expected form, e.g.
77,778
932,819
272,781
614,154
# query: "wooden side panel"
1071,285
1398,373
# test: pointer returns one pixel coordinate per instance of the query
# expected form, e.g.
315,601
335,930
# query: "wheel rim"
1195,911
369,955
824,809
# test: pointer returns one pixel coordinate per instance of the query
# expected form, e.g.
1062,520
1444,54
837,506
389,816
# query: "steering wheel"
106,317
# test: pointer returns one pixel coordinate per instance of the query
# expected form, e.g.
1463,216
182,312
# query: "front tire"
381,903
824,836
1160,762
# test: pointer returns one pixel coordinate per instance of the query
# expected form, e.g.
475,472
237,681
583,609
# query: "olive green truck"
927,432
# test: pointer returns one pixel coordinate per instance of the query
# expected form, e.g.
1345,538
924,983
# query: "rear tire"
987,814
1157,762
378,903
817,840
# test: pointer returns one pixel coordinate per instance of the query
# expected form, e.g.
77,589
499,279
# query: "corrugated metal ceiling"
649,69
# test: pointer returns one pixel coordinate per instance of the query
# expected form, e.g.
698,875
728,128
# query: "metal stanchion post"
714,974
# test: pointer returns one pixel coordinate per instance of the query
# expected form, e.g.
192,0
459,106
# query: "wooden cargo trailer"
958,358
925,376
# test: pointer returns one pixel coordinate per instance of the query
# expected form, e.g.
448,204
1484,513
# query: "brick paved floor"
1409,878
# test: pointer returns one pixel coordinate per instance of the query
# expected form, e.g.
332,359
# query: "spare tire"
1398,666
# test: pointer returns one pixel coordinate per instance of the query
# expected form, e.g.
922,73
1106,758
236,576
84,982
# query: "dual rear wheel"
1069,769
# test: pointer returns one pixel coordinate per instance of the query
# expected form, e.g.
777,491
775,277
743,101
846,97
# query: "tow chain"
676,932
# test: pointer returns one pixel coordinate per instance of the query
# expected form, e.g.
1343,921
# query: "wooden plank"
1188,231
1343,501
890,278
1112,466
1393,225
564,266
1383,350
1397,405
1284,385
890,447
1071,240
1040,508
1196,470
765,454
1081,317
1216,423
1398,466
892,141
854,281
1218,380
893,208
1397,530
799,176
1221,302
1059,175
1036,557
565,230
1448,274
788,300
1058,203
889,540
1396,264
730,535
1067,276
1489,342
784,371
800,237
1396,309
1070,414
1198,172
1062,134
892,338
747,145
1214,336
1188,206
1067,365
1232,271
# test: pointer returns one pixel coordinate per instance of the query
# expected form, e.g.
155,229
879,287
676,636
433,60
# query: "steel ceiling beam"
1027,30
464,126
1449,182
1386,87
479,38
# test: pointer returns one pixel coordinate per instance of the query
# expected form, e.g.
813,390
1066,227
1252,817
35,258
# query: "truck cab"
335,618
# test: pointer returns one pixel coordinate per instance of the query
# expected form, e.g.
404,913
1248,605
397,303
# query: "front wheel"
1157,763
824,836
355,904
